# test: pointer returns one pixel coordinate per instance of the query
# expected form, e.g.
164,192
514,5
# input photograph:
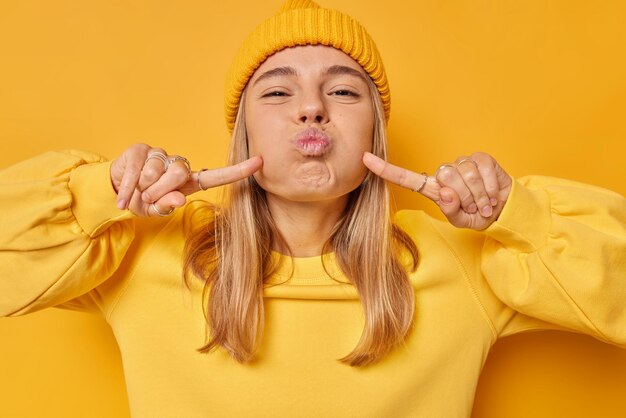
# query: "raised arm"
63,233
550,249
558,253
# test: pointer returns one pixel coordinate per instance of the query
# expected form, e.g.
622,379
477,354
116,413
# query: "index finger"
230,174
129,165
402,177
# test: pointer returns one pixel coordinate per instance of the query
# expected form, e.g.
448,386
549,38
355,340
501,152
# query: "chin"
310,193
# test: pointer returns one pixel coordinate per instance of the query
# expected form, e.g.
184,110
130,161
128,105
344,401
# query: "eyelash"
344,92
349,93
275,94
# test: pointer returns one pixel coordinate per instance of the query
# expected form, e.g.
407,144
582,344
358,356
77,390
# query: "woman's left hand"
471,192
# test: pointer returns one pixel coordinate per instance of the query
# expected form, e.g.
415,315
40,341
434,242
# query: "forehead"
307,59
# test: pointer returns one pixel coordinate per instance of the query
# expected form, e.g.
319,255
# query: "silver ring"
467,160
175,158
159,156
441,167
419,189
153,206
198,177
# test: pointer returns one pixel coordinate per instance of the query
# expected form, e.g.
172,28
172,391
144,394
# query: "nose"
313,109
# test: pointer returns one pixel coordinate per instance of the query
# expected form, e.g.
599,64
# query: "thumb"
450,204
164,206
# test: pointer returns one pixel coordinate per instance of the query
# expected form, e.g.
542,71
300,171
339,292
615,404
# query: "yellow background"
539,84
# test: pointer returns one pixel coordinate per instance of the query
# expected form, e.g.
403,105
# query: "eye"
345,93
275,93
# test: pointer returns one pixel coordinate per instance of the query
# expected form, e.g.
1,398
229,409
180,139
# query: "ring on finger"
185,161
198,177
419,189
467,160
158,212
442,167
159,156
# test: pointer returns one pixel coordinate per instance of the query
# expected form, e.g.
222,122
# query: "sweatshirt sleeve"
62,234
558,254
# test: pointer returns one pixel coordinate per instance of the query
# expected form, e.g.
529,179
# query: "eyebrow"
290,71
342,69
276,72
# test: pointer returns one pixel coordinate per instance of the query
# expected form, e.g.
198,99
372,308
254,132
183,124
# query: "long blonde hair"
233,255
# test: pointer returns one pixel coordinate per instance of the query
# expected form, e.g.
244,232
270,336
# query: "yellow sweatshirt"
556,258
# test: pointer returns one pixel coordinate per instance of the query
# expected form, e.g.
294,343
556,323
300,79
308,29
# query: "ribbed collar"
316,277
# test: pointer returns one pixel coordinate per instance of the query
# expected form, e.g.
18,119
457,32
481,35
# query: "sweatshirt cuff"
525,220
94,199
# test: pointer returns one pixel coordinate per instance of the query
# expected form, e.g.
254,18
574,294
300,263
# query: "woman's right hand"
147,185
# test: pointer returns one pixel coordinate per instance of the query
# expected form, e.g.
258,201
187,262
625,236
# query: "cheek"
362,141
357,138
262,133
275,155
273,161
359,126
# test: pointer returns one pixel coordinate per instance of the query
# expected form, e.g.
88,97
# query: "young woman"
300,294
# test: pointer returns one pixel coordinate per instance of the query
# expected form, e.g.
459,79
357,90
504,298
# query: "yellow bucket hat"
303,22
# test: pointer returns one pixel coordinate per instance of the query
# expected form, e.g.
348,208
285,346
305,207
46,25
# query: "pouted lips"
312,142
